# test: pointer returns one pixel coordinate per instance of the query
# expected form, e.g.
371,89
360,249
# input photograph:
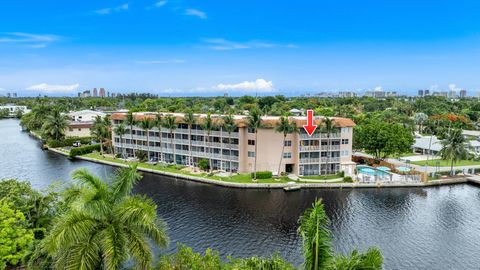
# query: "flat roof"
241,120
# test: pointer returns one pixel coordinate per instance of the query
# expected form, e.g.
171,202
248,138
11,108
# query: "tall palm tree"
107,122
453,147
229,126
171,125
190,120
328,127
159,125
146,124
105,225
99,131
131,121
317,247
55,125
285,127
207,127
120,130
254,122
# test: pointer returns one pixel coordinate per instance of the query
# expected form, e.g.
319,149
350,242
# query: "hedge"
263,175
68,141
82,150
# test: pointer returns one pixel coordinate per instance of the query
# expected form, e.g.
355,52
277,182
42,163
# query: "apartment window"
79,129
287,155
345,153
345,130
344,141
251,142
288,143
251,154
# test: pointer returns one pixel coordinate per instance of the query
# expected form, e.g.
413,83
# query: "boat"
291,187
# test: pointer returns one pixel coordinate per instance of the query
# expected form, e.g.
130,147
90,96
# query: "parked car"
77,144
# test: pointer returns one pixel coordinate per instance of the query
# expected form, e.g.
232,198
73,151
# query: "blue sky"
180,47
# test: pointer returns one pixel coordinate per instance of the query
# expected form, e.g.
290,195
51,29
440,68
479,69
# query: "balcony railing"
168,150
318,160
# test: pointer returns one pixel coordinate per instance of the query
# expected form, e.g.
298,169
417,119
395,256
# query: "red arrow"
310,127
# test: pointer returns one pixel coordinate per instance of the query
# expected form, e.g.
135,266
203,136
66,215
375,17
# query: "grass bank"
446,163
237,178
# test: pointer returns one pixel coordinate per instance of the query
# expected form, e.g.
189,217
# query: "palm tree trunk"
255,163
101,146
131,141
161,145
148,146
451,168
281,156
173,148
209,152
230,149
190,144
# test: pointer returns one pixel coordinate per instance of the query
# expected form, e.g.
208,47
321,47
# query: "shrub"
203,164
82,150
341,173
141,155
263,175
68,141
348,179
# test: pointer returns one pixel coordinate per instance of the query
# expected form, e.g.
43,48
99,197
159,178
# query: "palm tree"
159,125
313,229
190,120
120,130
208,126
254,122
108,133
229,126
55,125
146,124
99,131
131,121
419,119
328,127
453,147
285,127
171,125
105,225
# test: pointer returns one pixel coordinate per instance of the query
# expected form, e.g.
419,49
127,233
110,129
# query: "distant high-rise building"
463,93
95,93
346,94
421,93
86,93
14,95
452,94
79,94
9,95
102,93
426,92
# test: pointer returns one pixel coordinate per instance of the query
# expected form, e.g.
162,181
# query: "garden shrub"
68,141
348,179
203,164
263,175
82,150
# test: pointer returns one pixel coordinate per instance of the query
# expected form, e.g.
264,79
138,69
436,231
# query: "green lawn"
446,163
239,178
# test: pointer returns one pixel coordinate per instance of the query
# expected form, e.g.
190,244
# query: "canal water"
417,228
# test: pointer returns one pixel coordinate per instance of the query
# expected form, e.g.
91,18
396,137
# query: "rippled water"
418,228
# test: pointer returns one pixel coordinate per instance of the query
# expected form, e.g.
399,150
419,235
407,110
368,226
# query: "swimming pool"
403,169
371,171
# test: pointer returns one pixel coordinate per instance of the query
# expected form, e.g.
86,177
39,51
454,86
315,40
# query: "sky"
185,48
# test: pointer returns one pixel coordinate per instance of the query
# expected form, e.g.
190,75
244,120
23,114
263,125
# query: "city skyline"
206,48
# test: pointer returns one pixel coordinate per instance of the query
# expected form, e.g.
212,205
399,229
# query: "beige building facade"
300,154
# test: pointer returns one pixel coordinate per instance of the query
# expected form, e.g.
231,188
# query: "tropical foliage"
453,147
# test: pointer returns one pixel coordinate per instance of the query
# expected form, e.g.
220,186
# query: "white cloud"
259,85
160,4
29,40
453,87
434,87
52,88
378,88
2,89
171,61
221,44
106,11
196,13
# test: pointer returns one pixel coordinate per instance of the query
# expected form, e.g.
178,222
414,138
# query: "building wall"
328,154
77,132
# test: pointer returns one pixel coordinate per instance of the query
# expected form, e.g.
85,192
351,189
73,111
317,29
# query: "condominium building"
301,154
